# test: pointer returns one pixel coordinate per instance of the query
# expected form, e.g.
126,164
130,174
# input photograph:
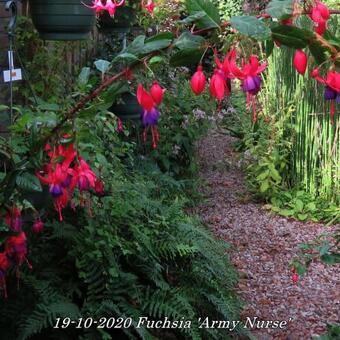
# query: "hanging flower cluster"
219,86
15,247
150,116
109,6
66,171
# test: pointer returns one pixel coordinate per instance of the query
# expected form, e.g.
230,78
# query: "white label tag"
16,75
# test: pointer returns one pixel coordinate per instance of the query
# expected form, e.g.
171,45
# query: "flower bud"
198,81
37,227
300,61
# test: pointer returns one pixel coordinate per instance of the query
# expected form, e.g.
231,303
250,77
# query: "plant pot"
128,108
62,19
120,23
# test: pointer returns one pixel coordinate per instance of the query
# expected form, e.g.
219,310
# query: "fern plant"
137,255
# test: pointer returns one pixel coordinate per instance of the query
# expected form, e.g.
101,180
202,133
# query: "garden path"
262,246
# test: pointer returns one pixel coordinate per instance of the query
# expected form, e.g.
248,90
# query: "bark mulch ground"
262,246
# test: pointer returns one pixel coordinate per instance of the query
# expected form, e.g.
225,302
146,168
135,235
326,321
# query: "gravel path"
262,246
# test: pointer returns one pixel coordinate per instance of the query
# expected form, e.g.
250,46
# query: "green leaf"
331,259
137,45
187,40
186,57
193,18
263,175
298,205
302,217
3,107
126,57
300,268
156,59
280,9
28,181
275,175
318,52
102,65
48,107
264,186
113,92
311,206
269,47
324,248
287,212
158,42
84,76
292,36
212,15
250,26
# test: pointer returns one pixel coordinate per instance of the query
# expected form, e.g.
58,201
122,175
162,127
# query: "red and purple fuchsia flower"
332,88
250,77
150,116
15,246
64,172
15,253
109,6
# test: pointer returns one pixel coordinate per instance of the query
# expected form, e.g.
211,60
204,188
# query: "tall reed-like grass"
315,154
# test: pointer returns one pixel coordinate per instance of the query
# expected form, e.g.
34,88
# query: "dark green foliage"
138,254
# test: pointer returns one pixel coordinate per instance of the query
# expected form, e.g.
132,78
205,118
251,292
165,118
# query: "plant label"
16,75
13,73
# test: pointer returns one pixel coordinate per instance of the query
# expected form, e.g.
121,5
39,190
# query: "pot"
62,19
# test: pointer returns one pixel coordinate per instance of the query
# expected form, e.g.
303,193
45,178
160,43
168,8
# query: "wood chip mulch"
262,246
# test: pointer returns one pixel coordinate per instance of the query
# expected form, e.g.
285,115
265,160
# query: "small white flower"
176,149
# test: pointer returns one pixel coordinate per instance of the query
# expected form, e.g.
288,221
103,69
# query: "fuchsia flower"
64,173
110,6
217,86
249,76
300,61
97,5
224,66
4,265
157,92
16,248
320,15
150,115
332,87
295,276
83,176
149,6
13,219
120,127
99,187
38,226
198,81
